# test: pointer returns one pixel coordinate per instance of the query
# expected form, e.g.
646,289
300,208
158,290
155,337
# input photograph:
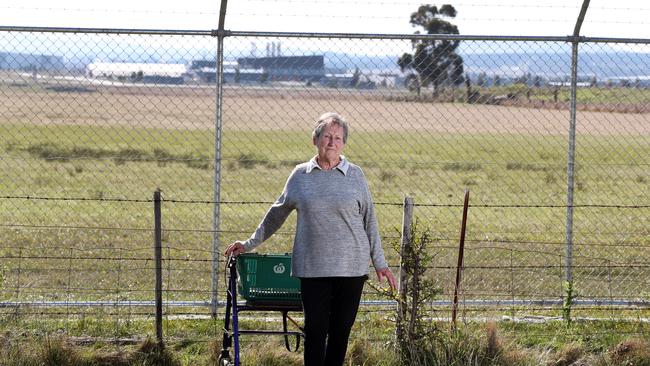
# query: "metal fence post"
158,259
572,143
217,163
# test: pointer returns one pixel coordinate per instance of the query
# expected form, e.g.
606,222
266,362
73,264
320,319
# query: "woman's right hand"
235,249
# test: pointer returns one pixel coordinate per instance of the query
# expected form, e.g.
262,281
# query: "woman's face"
330,143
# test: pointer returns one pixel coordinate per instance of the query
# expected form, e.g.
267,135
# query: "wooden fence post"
407,222
461,254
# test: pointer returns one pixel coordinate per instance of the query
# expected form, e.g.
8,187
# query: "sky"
611,19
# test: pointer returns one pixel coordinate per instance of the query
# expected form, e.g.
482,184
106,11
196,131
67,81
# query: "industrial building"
30,62
206,71
247,70
141,72
287,68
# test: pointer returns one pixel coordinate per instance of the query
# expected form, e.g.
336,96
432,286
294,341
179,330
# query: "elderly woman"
336,238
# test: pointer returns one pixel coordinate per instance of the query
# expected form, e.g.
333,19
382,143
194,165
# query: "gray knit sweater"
336,233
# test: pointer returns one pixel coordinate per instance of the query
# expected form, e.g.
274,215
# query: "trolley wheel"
224,359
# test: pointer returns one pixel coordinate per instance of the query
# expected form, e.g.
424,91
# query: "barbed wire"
290,234
82,199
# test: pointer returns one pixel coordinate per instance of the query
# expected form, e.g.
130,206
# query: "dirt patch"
265,108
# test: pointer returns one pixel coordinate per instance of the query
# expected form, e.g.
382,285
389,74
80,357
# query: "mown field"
80,169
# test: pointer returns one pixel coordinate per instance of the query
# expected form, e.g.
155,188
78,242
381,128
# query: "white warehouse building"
144,72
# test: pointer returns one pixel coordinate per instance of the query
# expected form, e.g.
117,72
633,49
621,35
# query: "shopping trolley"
265,283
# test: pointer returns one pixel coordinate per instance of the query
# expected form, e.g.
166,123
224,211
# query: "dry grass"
267,108
635,352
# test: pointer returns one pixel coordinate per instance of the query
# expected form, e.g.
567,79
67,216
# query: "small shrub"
55,352
469,182
198,162
362,352
631,352
247,161
414,332
550,178
525,167
386,176
162,157
10,146
290,163
48,151
567,304
150,353
112,359
461,167
98,195
129,154
493,345
569,355
87,152
271,354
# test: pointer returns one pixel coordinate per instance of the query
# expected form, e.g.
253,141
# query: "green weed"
461,167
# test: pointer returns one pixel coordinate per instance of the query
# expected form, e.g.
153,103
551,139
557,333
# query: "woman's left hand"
386,273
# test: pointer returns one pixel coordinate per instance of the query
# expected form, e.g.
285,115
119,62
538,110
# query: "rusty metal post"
158,259
461,254
407,222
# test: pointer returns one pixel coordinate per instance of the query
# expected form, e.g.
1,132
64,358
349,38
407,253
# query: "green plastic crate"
267,277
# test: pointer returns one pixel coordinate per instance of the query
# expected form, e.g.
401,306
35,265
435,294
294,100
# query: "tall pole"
407,223
157,218
461,259
217,162
568,275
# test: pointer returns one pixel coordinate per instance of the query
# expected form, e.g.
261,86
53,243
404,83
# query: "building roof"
127,69
283,62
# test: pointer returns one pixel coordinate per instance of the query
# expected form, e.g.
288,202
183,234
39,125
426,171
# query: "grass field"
80,169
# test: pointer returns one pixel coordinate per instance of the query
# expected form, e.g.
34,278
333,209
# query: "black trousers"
330,307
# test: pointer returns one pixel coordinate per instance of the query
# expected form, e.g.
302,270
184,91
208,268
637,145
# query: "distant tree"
356,78
412,82
497,80
480,81
522,79
457,70
137,76
434,62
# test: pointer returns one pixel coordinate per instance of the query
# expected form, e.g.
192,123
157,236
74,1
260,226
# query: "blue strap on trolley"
265,283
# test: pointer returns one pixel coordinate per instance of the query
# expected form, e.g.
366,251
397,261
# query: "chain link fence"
92,123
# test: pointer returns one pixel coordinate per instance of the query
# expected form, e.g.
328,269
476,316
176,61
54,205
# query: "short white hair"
327,119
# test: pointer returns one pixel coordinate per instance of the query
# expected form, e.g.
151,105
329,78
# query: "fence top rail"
229,33
109,31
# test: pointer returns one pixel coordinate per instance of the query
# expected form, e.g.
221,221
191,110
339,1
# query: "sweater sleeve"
273,219
371,227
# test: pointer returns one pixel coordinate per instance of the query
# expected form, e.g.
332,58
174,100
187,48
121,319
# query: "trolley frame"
231,330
